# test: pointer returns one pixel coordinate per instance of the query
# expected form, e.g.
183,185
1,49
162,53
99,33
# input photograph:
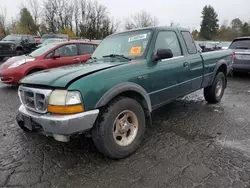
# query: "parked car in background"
241,54
52,35
51,40
199,49
14,45
46,57
129,75
223,45
37,39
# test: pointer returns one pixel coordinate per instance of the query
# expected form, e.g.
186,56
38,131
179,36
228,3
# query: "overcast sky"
187,13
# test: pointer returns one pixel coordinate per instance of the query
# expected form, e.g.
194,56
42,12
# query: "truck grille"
4,47
34,99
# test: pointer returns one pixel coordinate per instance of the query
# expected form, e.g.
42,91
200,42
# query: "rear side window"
168,40
87,49
191,47
240,44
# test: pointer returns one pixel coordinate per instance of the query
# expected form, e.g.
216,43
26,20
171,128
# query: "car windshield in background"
224,44
130,44
241,44
12,38
42,50
53,37
48,41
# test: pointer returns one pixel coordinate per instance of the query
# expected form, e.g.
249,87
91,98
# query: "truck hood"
62,76
8,42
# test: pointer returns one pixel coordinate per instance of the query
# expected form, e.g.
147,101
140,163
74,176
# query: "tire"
20,123
19,52
214,93
33,71
236,74
105,133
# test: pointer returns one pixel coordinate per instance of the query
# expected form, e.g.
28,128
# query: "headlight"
65,102
20,62
12,46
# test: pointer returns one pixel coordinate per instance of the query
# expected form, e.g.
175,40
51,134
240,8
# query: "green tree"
26,22
209,24
236,25
245,29
195,34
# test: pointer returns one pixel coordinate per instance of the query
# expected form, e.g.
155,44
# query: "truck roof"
245,37
154,28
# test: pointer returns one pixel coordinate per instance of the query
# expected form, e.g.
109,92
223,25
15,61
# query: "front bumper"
60,124
11,76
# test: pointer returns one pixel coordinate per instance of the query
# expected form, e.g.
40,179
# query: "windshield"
130,44
240,44
42,50
12,38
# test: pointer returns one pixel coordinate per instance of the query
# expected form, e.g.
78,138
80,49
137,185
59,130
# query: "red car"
49,56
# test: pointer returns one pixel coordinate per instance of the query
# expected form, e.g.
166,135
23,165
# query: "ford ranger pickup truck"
129,75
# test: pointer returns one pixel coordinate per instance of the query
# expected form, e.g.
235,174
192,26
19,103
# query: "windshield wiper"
117,55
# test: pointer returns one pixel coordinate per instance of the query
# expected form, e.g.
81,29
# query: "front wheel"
120,128
214,93
19,52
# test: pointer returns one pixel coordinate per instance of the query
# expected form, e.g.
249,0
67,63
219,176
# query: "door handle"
76,59
185,64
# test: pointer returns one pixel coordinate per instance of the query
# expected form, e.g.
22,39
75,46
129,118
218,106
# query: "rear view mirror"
163,54
56,56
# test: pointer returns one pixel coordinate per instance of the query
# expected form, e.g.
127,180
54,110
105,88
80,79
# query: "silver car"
241,54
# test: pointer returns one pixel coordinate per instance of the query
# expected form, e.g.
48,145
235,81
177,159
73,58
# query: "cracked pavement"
190,144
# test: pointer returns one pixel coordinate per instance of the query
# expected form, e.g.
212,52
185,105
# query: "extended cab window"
191,47
86,49
168,40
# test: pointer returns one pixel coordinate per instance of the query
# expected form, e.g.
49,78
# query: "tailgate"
242,57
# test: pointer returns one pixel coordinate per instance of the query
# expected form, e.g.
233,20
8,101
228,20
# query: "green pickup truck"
112,96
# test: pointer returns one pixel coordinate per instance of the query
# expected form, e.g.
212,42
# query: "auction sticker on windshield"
137,37
136,50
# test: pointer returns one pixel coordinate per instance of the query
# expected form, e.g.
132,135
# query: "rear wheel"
120,128
214,93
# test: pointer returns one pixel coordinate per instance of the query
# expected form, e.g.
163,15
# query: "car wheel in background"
19,52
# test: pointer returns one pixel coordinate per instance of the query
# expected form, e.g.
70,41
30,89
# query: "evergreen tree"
209,24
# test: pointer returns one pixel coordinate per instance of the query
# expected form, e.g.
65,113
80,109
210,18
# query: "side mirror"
163,54
55,56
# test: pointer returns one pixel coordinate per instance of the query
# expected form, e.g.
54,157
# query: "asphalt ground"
190,144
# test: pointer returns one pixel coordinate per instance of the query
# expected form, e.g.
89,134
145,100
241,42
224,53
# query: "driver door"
168,77
68,56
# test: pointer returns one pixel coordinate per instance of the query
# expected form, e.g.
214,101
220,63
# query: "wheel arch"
34,69
220,67
19,48
127,89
